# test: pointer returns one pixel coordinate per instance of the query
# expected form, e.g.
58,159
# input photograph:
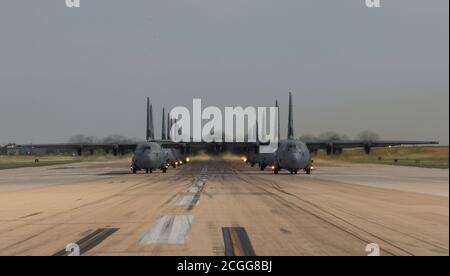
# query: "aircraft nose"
294,160
150,160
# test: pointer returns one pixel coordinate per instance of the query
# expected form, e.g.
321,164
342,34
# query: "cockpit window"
146,148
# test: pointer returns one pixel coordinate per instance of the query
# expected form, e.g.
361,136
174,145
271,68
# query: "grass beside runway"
14,162
426,157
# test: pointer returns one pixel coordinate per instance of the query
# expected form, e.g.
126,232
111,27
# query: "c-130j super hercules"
292,154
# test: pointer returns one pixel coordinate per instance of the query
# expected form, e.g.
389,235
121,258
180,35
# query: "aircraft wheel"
308,170
252,164
164,170
134,170
296,171
147,171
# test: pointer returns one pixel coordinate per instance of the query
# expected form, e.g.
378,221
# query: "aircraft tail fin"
278,119
150,134
152,128
163,128
168,127
147,127
257,137
290,134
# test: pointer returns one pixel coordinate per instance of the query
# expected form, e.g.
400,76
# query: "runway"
223,208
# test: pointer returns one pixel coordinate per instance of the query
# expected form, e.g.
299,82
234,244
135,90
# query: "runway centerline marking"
188,200
169,230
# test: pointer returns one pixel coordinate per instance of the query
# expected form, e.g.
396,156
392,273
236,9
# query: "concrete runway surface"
222,208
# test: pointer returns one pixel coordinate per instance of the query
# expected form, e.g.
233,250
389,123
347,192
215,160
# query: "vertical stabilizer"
278,119
150,129
147,127
290,134
168,126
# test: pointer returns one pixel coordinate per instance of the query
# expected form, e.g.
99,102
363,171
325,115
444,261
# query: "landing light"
273,168
181,162
188,159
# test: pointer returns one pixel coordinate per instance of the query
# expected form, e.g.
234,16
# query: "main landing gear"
308,170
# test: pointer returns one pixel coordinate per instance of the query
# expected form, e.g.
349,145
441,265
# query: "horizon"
88,70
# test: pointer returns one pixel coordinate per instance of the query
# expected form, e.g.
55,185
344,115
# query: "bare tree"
307,137
111,139
368,135
332,135
118,139
83,139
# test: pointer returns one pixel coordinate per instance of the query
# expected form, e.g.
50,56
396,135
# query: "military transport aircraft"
153,154
294,154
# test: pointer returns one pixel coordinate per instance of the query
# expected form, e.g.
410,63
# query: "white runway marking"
196,187
187,200
169,230
193,189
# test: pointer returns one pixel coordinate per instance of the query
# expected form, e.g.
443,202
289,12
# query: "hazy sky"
88,70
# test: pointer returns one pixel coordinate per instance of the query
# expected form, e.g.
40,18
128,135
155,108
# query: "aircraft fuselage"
293,155
149,156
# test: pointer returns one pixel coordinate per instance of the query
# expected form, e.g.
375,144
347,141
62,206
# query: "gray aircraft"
174,156
294,154
157,154
150,156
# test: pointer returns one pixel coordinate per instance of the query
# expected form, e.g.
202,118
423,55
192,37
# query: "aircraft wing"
115,148
215,146
331,146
